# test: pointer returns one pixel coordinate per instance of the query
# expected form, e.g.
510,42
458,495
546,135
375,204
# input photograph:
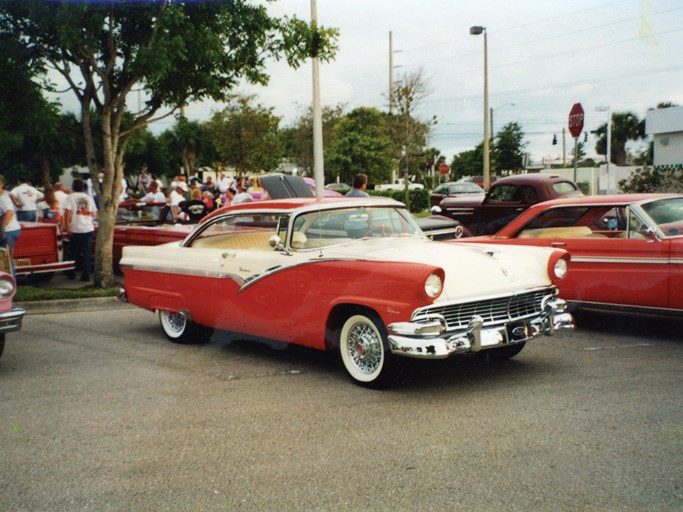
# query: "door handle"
227,255
558,244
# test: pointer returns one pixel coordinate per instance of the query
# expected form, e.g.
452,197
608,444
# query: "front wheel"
179,329
365,352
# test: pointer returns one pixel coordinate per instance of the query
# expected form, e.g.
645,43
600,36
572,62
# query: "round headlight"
6,288
433,286
560,268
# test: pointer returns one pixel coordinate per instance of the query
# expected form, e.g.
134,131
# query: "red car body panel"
605,268
39,249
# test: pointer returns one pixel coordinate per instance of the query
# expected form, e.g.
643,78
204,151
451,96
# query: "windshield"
343,225
667,214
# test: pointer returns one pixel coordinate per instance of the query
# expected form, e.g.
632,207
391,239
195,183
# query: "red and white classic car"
355,275
626,250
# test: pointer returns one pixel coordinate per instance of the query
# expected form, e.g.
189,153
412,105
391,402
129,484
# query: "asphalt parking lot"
99,412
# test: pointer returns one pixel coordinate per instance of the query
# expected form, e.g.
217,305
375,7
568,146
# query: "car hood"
470,269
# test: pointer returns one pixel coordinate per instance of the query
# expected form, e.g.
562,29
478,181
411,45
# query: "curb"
43,307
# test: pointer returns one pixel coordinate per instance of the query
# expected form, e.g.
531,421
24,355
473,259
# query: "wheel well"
339,314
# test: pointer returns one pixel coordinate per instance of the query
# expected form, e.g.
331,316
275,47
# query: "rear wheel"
179,329
365,352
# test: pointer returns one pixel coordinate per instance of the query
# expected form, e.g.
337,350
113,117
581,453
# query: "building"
664,127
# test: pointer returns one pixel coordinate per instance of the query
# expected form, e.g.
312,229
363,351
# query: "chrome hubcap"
365,348
176,321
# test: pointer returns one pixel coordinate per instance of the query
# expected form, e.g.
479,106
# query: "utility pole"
318,169
391,74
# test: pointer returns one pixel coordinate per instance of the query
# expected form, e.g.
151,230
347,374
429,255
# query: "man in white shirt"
27,198
223,183
156,197
177,197
9,225
79,215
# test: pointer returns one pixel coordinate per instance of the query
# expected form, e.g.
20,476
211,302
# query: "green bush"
654,179
419,199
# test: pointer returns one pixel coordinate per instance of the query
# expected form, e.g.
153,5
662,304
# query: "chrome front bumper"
429,338
11,321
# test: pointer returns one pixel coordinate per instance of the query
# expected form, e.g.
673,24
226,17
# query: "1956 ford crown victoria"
354,275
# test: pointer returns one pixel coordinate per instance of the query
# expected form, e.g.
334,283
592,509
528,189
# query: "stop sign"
444,168
576,120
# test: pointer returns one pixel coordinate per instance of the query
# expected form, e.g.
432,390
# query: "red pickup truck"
40,250
505,200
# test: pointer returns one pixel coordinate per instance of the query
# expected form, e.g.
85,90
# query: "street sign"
444,168
576,120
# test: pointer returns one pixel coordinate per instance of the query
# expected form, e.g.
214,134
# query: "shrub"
419,199
654,179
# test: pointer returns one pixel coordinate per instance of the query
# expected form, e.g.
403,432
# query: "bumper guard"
428,338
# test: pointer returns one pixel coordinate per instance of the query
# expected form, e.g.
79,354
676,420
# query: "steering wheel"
379,230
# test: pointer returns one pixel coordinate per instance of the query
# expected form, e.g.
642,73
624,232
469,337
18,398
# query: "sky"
543,57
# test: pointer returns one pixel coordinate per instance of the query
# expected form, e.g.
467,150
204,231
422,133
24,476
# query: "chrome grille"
498,310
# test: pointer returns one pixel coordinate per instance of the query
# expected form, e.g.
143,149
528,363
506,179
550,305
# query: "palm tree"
626,126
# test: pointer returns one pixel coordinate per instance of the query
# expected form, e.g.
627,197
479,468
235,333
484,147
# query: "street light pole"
476,30
491,111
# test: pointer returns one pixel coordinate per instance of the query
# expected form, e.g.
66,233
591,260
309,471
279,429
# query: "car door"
676,273
622,265
256,287
501,205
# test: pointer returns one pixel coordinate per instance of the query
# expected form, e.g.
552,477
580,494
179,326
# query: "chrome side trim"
211,274
615,259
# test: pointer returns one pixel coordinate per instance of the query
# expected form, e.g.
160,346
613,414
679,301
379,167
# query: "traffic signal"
554,140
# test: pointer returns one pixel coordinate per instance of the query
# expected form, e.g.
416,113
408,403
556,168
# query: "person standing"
27,198
48,208
242,196
177,197
79,215
10,229
360,183
61,196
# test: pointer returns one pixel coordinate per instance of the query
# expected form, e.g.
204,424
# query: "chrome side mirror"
275,243
436,210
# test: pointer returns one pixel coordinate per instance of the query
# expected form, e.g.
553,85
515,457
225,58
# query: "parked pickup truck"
39,250
505,200
399,184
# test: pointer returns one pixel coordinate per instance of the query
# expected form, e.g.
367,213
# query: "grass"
27,293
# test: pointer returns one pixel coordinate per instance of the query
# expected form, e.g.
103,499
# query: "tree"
469,163
361,144
34,137
408,132
625,126
246,136
298,138
508,148
177,51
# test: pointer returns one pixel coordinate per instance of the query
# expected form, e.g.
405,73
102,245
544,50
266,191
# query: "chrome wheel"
364,352
179,329
173,324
